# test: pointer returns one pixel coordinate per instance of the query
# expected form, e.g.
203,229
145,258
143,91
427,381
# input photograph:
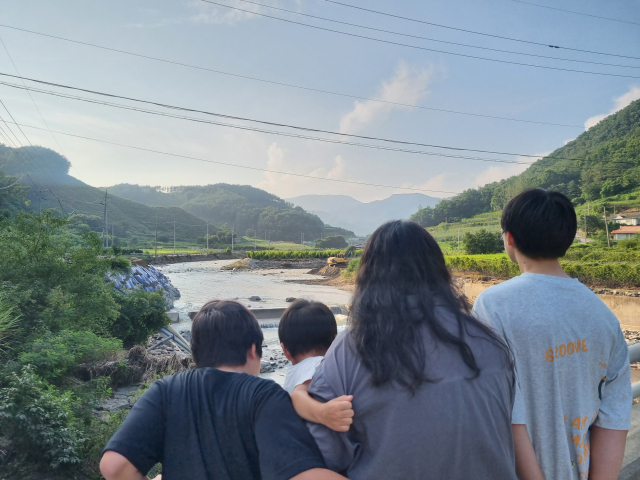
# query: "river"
200,282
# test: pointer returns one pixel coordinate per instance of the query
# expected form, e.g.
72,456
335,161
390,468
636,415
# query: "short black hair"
305,326
222,332
543,223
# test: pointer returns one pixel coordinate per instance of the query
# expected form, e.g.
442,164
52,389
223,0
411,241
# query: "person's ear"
252,353
286,352
510,240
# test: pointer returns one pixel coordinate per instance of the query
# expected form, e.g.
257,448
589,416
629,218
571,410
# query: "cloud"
408,85
291,185
619,103
434,187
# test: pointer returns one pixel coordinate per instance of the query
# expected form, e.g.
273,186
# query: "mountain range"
363,218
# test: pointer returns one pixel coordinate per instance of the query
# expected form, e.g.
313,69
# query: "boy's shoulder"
503,290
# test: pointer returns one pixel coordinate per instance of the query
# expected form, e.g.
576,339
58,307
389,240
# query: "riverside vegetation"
59,317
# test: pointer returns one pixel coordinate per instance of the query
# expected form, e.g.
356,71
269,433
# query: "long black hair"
401,279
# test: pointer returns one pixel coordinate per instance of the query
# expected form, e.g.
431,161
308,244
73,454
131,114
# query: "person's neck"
234,368
541,266
317,352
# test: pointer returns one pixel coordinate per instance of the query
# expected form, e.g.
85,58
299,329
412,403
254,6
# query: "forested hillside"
601,163
245,208
45,183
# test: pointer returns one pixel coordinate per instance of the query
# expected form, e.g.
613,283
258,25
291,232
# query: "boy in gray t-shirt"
573,392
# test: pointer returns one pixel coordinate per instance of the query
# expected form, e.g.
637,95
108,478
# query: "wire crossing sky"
547,75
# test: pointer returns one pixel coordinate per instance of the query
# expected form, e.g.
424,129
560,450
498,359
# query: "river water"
200,282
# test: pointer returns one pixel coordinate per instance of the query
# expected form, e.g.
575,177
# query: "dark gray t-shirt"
455,429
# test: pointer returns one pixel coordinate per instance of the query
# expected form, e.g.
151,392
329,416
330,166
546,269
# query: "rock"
120,400
338,310
255,298
290,299
266,367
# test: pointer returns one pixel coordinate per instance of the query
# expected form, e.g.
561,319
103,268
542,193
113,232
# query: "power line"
246,119
480,33
577,13
12,185
273,132
510,62
437,40
41,116
28,152
289,85
243,166
32,99
321,139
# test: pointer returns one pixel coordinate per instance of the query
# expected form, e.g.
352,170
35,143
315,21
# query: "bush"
8,324
40,420
332,242
142,314
352,268
611,274
498,265
54,357
483,242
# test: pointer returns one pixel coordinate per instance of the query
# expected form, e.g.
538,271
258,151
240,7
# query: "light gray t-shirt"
453,429
301,372
572,366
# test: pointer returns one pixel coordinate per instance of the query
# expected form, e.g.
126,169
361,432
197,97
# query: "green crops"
613,274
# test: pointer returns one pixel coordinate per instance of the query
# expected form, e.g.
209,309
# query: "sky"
242,44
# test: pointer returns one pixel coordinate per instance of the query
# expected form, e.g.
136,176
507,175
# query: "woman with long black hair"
432,387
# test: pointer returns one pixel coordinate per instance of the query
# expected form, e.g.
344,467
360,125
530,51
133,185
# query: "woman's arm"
337,414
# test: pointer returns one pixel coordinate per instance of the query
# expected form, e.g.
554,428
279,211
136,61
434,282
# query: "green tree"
58,282
40,420
483,242
141,314
332,242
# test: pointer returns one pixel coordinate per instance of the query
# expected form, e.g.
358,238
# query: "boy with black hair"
306,331
573,393
218,421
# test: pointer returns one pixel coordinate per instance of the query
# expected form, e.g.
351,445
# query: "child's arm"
337,414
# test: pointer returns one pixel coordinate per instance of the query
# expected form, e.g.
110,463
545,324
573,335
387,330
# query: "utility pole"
255,237
106,220
174,237
156,237
233,227
585,229
207,236
606,227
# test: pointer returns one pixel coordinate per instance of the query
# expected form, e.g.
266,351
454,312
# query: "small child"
306,331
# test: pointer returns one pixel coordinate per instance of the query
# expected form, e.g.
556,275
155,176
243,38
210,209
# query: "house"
627,219
625,232
356,241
